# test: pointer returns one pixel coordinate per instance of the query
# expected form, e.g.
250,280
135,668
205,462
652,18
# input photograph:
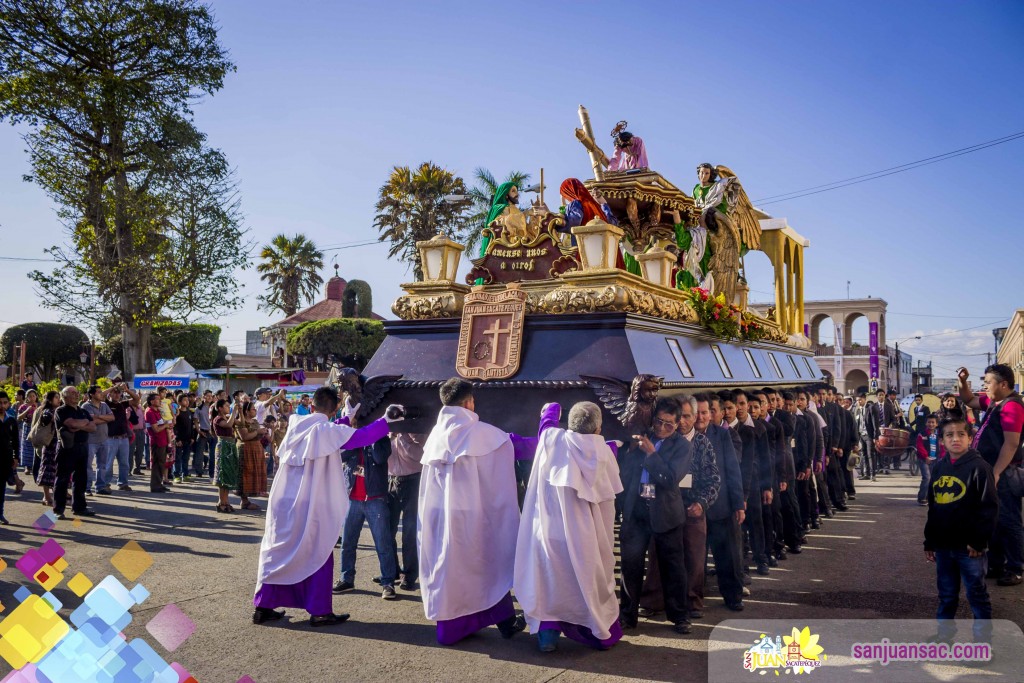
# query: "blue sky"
329,96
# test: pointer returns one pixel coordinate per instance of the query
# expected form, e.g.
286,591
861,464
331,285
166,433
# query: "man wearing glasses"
653,507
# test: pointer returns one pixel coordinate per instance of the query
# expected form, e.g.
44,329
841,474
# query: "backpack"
38,435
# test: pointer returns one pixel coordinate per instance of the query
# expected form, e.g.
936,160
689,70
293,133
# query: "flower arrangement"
751,328
725,320
720,318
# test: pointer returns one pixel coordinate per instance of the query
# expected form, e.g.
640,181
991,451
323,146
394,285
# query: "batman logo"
948,489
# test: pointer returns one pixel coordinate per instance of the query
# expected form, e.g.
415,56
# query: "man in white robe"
306,511
468,521
565,558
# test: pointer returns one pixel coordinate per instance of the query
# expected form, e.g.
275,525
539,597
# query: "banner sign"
151,382
873,348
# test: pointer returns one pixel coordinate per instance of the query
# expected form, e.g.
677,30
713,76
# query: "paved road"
866,563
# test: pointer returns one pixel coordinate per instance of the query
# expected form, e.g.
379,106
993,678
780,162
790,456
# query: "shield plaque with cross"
491,336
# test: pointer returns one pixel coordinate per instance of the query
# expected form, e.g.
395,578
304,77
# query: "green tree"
411,208
482,195
357,301
106,90
196,343
291,270
48,346
353,342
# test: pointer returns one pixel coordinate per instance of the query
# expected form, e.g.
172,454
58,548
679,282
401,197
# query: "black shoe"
162,489
3,520
746,579
815,524
104,492
683,627
650,613
408,585
136,471
262,615
1009,579
627,624
762,569
388,593
696,614
512,626
864,478
376,580
829,514
85,513
711,571
735,606
842,508
772,562
852,496
794,550
922,503
341,587
328,619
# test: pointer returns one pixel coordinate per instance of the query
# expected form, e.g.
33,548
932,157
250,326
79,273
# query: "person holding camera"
653,508
159,430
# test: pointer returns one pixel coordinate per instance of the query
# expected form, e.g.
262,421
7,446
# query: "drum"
893,441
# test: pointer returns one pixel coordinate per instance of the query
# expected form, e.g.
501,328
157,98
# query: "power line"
893,170
942,315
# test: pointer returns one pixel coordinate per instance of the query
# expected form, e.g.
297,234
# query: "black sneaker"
1009,579
794,550
772,562
90,513
341,587
683,627
735,606
104,492
408,585
512,626
262,614
136,471
388,593
762,569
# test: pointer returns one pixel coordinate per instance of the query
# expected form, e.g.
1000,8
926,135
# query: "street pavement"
865,563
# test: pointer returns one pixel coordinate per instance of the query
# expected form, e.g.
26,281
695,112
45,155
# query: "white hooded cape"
565,561
468,516
308,501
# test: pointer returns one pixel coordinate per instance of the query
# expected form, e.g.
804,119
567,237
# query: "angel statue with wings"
727,229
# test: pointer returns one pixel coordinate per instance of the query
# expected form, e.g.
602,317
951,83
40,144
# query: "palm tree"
482,196
411,208
291,268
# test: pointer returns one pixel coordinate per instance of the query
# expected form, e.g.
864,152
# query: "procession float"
632,287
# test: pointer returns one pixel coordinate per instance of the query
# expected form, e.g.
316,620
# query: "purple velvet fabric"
582,634
452,631
312,594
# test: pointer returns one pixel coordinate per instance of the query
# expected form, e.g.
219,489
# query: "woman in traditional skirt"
47,475
253,479
25,412
225,472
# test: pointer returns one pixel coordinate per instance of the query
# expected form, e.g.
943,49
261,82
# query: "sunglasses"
664,423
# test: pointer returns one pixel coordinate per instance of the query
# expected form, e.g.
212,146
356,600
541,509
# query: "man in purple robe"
306,510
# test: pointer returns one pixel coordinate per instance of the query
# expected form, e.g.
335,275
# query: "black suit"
723,531
660,519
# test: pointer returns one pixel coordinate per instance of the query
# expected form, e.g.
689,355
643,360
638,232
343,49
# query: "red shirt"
1011,417
359,487
158,439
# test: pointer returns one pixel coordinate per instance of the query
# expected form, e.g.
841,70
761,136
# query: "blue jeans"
100,455
950,567
375,513
181,457
926,476
206,447
118,449
1007,550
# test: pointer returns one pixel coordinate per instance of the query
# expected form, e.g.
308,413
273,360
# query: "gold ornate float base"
591,291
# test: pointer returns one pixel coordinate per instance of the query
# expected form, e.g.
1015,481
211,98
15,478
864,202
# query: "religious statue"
727,227
632,404
630,153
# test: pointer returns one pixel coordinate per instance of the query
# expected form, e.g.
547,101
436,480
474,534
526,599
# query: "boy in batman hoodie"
962,512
